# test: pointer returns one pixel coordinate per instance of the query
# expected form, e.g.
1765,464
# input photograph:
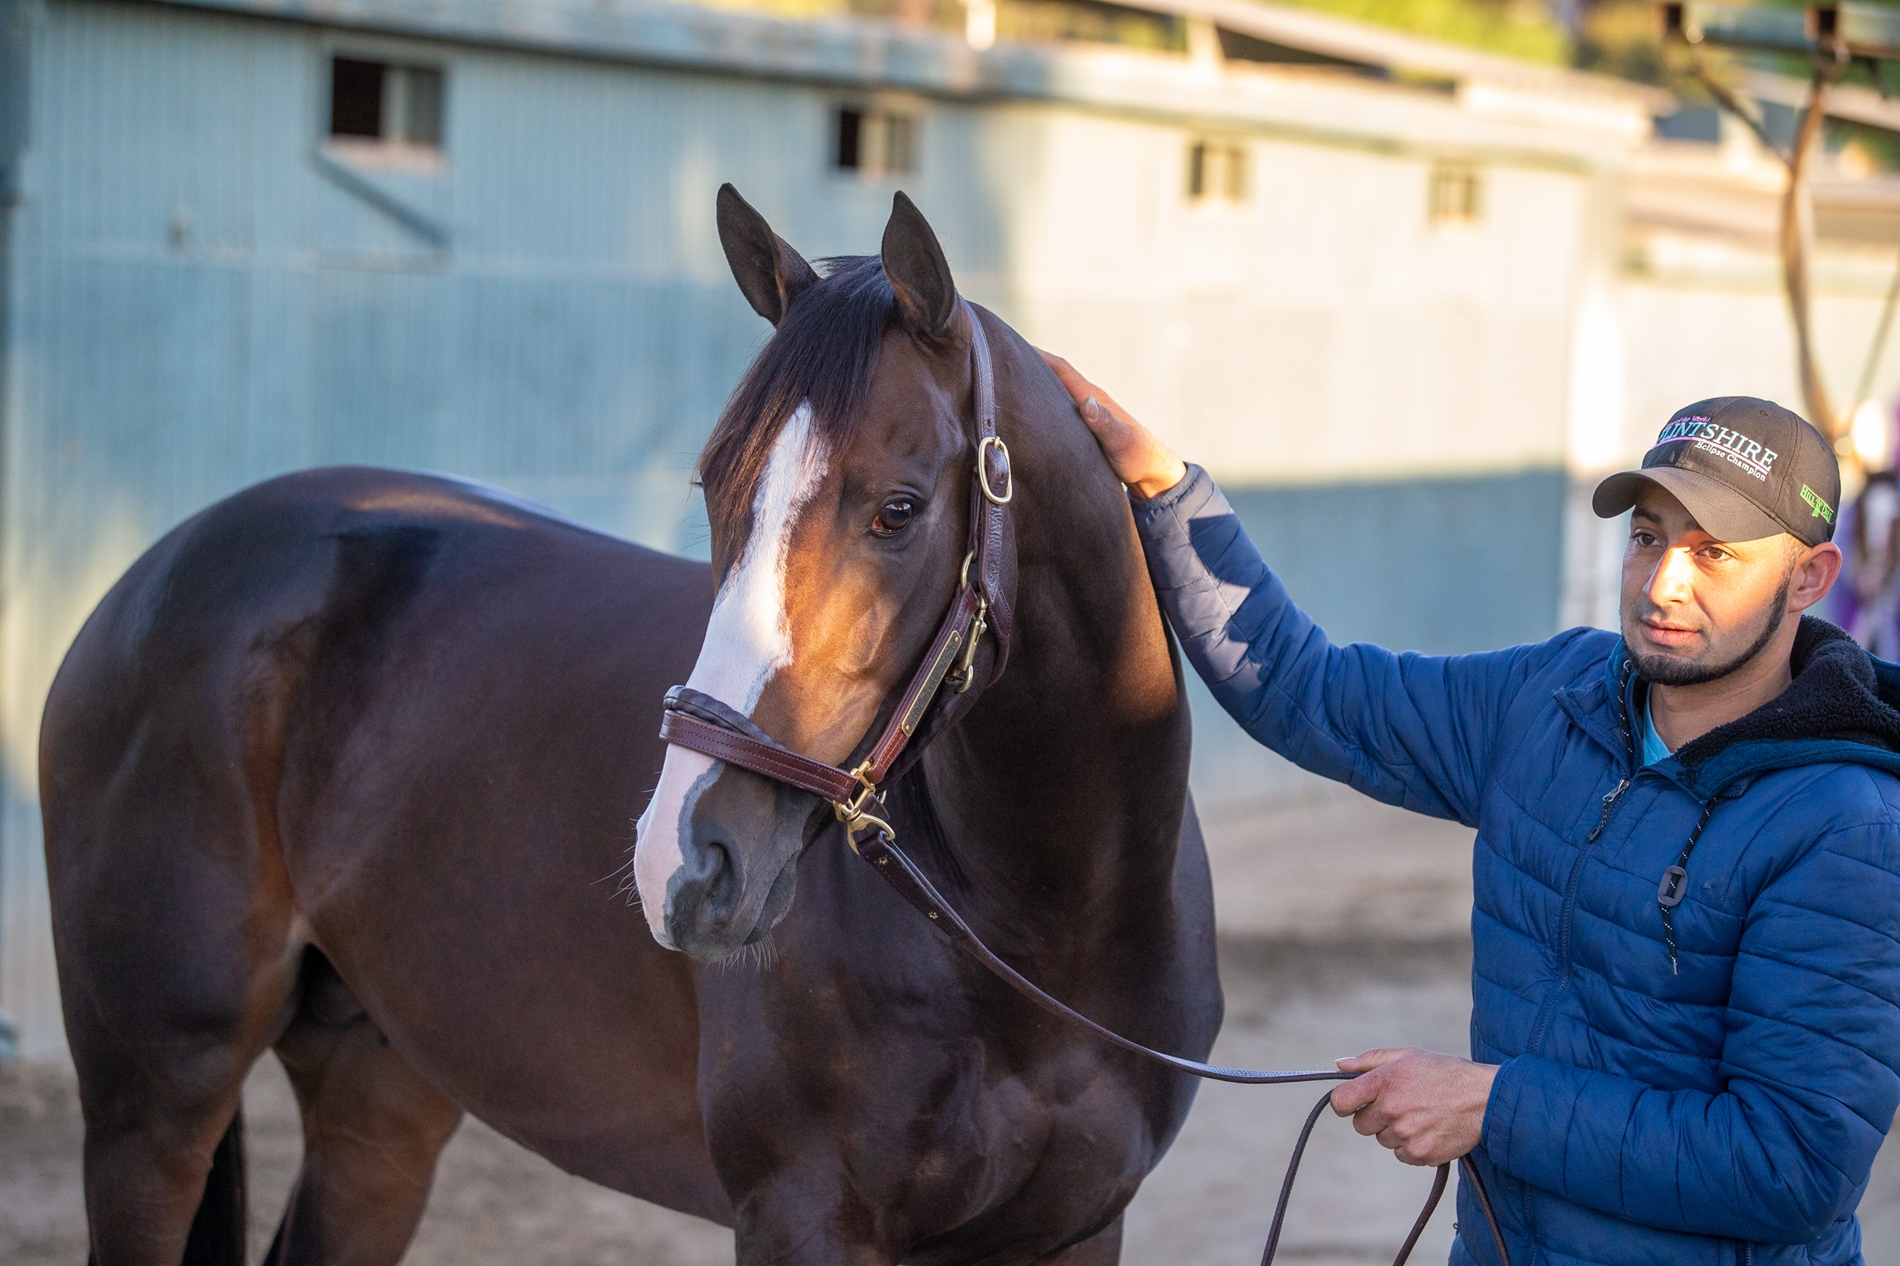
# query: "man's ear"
769,272
1814,576
918,272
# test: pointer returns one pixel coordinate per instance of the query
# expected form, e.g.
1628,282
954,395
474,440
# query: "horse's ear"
769,272
918,272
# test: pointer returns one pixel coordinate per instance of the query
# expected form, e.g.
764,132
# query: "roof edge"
879,55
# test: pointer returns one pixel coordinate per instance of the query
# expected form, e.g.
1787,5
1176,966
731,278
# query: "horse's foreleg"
373,1130
1104,1248
802,1222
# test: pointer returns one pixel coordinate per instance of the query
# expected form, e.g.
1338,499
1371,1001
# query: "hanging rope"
1880,339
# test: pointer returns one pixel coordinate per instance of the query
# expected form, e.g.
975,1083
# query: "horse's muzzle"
727,894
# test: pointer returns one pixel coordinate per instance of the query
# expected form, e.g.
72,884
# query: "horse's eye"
893,516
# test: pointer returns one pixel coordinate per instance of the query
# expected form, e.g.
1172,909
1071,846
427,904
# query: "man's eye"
893,516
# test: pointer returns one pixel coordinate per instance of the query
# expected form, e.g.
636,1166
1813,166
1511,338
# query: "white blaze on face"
748,639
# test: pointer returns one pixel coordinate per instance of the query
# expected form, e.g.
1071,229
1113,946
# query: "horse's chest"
964,1128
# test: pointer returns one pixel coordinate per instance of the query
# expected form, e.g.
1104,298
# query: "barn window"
381,101
1216,172
876,142
1456,197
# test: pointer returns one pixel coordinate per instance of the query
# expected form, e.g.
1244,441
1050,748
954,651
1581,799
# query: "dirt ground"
1207,1205
1341,934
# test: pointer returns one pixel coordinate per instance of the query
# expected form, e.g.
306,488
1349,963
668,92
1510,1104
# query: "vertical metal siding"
199,306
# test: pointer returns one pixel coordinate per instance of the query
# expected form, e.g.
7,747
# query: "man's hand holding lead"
1427,1107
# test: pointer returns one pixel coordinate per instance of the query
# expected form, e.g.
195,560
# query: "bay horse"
345,767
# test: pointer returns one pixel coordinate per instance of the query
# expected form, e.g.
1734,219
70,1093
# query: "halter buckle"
983,474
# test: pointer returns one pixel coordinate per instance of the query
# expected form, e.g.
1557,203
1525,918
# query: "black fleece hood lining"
1836,695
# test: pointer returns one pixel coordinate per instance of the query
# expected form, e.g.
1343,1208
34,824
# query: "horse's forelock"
823,353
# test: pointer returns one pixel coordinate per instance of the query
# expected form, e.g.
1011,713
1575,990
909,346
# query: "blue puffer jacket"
1718,1103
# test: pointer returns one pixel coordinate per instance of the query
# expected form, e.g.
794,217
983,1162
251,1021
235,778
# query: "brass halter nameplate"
914,715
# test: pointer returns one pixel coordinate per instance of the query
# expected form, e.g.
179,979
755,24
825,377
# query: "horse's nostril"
721,882
706,890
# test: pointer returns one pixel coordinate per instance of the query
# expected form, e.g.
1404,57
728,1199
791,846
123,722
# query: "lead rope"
1292,1171
910,883
1466,1170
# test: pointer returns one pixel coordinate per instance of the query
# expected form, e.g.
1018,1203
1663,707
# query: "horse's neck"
1066,783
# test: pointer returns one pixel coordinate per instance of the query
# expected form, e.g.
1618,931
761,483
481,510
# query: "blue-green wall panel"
1445,566
198,300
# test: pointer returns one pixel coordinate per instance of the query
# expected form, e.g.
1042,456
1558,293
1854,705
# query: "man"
1686,981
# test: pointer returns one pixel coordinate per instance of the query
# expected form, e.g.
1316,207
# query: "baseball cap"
1745,468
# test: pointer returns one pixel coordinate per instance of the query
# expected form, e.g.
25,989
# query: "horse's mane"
824,352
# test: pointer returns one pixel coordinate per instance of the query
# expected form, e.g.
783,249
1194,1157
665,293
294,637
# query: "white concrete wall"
1683,335
1321,330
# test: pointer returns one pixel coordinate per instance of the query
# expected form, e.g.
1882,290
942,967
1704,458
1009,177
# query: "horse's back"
323,561
410,722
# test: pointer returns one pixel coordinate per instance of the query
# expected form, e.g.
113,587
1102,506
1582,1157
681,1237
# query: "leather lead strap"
915,888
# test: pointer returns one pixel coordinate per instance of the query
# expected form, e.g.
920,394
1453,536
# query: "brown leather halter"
703,724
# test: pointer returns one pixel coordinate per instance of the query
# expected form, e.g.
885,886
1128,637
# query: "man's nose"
1673,578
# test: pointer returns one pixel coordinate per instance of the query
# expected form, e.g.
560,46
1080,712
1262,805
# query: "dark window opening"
378,101
422,106
1457,195
850,134
876,142
356,97
1217,171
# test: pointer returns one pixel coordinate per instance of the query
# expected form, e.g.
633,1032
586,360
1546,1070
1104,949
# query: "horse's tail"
221,1228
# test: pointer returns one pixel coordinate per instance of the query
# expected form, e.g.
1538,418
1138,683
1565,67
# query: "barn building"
1403,299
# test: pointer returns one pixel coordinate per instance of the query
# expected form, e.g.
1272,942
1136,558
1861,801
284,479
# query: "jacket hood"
1843,706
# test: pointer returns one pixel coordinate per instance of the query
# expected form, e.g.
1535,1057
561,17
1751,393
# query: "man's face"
1695,608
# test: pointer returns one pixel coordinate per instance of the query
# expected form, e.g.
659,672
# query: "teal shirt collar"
1654,749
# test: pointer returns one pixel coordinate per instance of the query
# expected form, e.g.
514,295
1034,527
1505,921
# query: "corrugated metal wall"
196,305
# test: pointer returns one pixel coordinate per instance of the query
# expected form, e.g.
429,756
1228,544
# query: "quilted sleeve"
1411,730
1809,1063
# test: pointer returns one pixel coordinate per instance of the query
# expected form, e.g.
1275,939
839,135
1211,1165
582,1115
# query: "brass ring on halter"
982,472
852,813
847,809
963,577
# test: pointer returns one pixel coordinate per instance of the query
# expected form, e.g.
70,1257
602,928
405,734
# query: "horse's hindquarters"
413,726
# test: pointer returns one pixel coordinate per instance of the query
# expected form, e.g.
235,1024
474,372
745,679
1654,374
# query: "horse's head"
838,489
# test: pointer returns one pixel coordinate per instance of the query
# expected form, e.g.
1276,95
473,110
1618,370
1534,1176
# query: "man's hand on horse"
1427,1107
1138,459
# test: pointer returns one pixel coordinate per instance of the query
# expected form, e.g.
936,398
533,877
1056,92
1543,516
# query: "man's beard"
1662,670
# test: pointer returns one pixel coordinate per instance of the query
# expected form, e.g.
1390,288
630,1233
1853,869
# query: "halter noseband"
703,724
